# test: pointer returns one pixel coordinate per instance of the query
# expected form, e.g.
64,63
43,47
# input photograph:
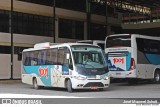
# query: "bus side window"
100,57
154,47
60,56
26,58
53,56
32,58
67,59
43,57
39,58
140,45
48,57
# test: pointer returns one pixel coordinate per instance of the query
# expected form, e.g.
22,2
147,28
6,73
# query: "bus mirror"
67,56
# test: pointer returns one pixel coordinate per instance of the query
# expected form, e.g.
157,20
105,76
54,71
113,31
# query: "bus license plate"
98,77
94,87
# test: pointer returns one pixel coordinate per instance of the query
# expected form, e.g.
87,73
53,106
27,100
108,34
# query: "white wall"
19,40
16,67
5,70
22,39
30,39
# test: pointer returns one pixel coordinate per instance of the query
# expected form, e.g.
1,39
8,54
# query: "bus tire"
157,77
69,86
35,84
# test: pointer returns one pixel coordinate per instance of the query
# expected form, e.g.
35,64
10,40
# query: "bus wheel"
35,84
157,77
69,86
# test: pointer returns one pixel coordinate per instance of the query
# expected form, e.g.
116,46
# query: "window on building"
32,24
116,29
4,21
5,49
98,8
41,2
98,32
78,5
71,29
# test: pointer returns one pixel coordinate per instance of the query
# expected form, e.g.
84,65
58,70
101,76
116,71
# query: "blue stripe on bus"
128,63
153,58
46,79
112,66
44,72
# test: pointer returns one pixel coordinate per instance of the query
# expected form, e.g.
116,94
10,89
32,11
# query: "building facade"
34,21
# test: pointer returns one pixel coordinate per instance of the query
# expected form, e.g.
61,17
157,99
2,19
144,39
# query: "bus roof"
48,45
137,35
89,41
120,35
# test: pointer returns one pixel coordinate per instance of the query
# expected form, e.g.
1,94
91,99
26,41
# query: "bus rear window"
88,42
116,41
101,45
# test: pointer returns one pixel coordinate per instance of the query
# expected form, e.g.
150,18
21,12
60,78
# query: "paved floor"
116,90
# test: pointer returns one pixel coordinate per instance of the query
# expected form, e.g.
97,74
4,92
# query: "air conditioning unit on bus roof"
44,45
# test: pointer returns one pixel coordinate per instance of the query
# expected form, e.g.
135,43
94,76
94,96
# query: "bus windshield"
116,41
89,60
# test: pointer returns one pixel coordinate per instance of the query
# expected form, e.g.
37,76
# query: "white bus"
65,65
133,56
100,43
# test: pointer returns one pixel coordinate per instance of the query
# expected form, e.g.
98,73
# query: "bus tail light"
132,66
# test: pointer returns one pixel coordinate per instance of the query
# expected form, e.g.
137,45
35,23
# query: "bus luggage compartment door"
119,61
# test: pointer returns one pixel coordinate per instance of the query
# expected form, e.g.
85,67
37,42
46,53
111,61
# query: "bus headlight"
81,78
106,78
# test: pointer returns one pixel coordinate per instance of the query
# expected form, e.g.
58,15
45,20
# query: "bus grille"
94,84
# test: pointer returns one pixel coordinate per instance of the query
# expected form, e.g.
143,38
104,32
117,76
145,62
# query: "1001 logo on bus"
118,60
43,72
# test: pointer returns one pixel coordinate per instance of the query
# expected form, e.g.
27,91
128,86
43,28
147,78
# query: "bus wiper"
88,64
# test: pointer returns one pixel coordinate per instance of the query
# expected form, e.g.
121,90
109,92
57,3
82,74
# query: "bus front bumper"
123,74
90,84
